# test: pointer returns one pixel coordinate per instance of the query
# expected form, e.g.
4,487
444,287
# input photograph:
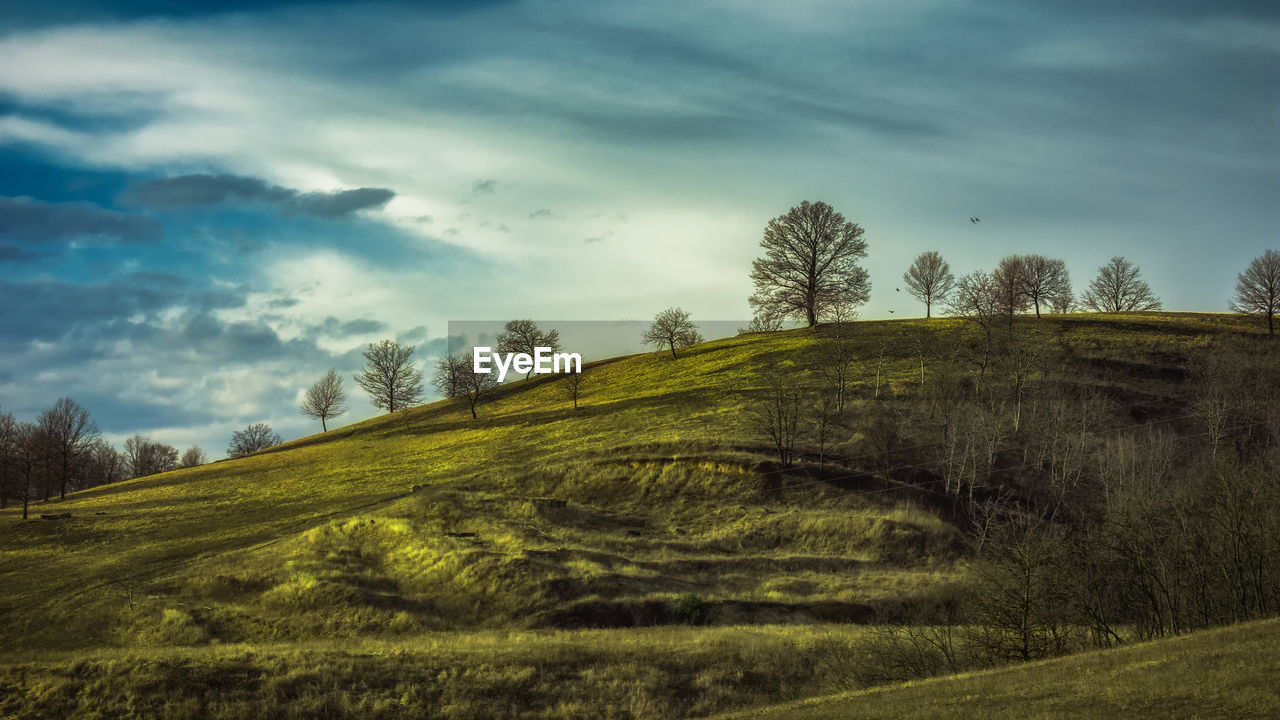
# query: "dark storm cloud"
203,190
25,219
47,309
341,203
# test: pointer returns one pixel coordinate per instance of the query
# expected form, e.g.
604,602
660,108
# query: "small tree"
1044,280
257,436
1258,289
456,378
672,329
30,445
325,399
775,411
574,386
1119,287
193,457
977,299
390,378
1009,282
929,279
810,263
524,336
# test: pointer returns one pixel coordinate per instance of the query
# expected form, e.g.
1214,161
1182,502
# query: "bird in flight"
890,312
897,289
975,219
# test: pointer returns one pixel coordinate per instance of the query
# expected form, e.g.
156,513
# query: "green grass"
1228,672
315,561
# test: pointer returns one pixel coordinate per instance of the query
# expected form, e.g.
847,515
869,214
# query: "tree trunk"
323,427
673,350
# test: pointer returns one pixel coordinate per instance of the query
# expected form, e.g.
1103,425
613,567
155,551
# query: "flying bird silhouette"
890,312
897,289
975,219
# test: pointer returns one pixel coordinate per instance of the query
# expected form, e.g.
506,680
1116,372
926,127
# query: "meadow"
642,556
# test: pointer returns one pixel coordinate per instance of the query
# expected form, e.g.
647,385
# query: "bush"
692,610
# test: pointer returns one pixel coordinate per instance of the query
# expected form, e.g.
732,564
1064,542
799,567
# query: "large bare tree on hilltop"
390,378
929,279
810,264
1045,281
1119,287
1258,289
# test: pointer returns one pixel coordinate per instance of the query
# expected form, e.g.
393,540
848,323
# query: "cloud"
544,212
484,187
212,190
29,220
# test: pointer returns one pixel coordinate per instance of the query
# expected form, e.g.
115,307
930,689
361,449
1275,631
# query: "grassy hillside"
1224,673
428,560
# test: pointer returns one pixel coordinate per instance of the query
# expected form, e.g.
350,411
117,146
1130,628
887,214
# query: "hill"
540,561
1223,673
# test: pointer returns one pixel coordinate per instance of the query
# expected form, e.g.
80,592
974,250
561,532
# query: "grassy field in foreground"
313,579
1229,672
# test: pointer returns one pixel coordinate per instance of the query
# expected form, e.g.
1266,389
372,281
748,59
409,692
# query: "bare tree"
8,445
1008,282
456,378
1119,287
1063,302
1258,289
389,376
105,462
672,329
574,386
143,456
976,298
257,436
1044,280
834,357
762,322
775,411
524,336
929,279
69,430
193,457
810,263
29,451
325,399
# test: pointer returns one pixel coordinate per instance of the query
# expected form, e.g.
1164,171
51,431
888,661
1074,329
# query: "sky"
202,209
